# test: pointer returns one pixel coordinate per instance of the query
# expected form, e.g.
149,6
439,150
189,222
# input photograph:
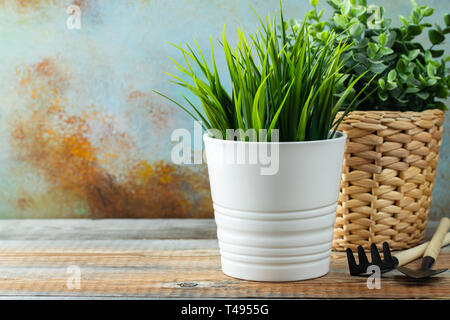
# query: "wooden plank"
106,229
176,269
116,229
153,259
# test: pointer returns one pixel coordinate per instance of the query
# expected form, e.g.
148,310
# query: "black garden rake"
389,261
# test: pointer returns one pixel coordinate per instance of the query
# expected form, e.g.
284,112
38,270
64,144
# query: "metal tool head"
386,264
420,274
424,271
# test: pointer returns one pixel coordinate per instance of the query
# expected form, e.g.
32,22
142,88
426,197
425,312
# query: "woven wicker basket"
387,179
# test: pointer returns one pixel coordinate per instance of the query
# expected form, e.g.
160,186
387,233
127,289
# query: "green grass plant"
278,82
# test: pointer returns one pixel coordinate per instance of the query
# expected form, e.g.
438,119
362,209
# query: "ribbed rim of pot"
338,136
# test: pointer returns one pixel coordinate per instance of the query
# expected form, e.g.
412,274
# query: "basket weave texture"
387,179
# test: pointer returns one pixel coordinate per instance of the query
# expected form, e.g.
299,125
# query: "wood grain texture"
171,268
106,229
117,229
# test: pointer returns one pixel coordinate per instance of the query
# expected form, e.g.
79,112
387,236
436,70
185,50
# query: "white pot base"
293,272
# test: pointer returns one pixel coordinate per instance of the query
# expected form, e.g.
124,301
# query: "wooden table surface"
162,259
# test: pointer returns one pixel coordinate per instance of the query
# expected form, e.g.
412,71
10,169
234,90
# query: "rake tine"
353,267
376,259
387,252
363,261
389,262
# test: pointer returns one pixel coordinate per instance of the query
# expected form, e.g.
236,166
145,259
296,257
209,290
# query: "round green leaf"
356,29
437,53
447,19
413,54
428,11
345,7
403,20
382,39
392,75
382,95
435,36
431,82
423,95
391,85
442,92
372,50
414,30
412,90
377,68
386,51
415,16
340,21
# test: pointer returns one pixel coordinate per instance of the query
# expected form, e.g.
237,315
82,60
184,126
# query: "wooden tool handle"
412,254
438,238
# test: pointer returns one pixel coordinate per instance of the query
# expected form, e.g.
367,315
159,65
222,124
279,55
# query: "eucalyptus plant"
292,90
408,75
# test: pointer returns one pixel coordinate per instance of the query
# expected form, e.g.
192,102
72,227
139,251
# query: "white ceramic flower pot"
276,227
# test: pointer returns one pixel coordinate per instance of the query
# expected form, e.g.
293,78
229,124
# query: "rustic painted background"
82,134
